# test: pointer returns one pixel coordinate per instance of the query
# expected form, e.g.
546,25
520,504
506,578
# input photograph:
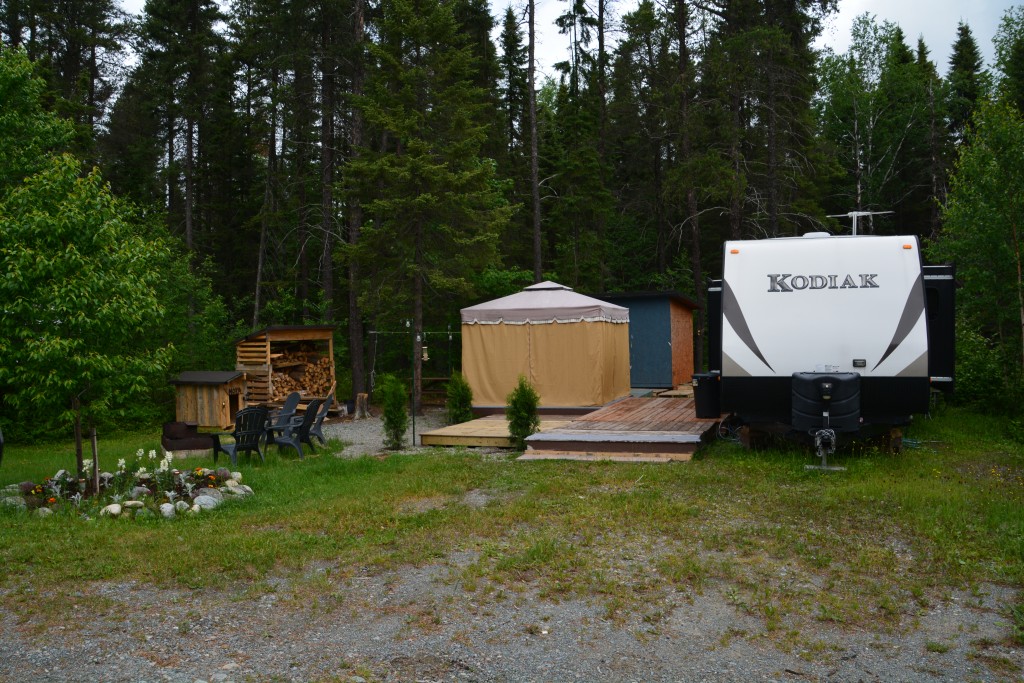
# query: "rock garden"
143,487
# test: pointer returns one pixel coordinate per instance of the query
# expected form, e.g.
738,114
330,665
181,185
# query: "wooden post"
362,406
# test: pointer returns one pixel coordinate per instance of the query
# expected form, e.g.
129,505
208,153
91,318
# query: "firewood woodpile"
301,372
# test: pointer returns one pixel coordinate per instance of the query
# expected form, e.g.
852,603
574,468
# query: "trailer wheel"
890,442
895,440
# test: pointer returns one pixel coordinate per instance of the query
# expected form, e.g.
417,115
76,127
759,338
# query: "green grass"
891,535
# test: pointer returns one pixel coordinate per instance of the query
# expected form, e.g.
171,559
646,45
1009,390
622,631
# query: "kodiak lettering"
787,282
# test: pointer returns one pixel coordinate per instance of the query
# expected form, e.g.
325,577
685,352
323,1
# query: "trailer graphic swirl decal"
912,311
734,315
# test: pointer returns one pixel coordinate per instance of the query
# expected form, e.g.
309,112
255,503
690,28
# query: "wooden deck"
490,432
639,429
631,429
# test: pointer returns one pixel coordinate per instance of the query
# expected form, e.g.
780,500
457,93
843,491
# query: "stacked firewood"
296,372
284,385
318,377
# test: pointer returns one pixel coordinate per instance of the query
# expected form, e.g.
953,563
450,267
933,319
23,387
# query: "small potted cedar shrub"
459,402
392,397
521,412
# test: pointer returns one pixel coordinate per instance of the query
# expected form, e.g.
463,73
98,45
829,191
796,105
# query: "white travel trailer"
823,335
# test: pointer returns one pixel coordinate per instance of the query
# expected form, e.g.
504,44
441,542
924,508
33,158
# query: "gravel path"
421,624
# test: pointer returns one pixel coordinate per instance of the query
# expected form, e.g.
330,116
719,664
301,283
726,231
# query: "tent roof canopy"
544,302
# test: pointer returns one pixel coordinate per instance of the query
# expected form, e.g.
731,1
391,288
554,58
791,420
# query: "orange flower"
51,500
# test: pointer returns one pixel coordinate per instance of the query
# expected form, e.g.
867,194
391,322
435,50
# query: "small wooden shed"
210,399
282,359
660,338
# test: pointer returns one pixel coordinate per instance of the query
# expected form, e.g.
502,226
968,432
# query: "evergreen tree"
78,46
967,81
1009,47
434,205
514,163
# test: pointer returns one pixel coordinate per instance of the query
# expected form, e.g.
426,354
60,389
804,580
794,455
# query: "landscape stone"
143,513
212,493
44,512
181,506
237,476
134,504
206,502
167,510
112,510
14,502
140,492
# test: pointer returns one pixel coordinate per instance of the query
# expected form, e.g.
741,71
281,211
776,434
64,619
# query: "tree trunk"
76,406
189,183
602,152
355,211
269,205
538,269
417,324
327,169
682,17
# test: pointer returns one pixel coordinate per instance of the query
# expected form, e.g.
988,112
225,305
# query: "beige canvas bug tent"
573,349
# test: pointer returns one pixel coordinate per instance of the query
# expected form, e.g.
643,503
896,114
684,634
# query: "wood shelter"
209,399
660,337
282,359
572,348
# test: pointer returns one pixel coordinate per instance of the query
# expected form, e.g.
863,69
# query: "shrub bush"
521,413
391,395
459,402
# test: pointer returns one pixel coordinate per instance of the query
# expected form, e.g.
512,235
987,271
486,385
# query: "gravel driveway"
419,624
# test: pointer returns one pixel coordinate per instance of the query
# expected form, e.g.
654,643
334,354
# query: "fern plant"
521,412
459,402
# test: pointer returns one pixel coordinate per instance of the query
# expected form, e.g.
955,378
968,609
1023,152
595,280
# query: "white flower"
152,455
139,453
121,464
142,470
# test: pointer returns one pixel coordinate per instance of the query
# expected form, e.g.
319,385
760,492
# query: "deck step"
613,442
597,457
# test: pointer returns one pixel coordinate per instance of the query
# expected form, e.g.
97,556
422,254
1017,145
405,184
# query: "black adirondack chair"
317,430
279,419
296,432
250,432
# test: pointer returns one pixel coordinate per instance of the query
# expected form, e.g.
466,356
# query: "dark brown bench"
185,436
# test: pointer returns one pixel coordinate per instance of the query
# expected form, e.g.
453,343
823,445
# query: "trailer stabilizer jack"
825,445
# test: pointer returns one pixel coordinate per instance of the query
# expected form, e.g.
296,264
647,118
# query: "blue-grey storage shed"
660,337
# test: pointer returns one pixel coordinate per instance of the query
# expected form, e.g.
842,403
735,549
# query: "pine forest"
378,165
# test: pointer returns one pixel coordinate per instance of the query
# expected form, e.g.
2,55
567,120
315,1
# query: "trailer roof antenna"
854,215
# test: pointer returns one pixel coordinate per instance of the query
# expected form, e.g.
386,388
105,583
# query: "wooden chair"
318,424
250,433
279,419
296,432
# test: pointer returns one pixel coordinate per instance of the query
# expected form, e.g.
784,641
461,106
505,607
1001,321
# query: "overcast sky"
936,20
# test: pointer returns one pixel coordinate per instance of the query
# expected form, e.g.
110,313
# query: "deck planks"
631,429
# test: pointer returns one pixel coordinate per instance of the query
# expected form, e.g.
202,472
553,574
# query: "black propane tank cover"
817,393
